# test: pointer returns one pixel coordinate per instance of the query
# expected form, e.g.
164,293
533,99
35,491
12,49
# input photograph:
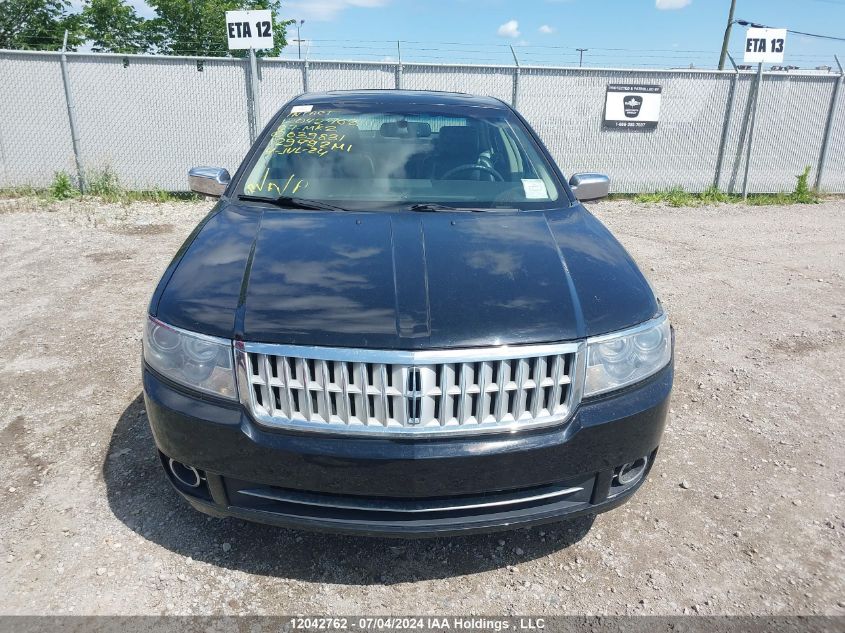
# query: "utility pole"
727,35
581,51
298,38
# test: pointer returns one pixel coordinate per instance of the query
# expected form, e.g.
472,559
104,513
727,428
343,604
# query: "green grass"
677,197
100,184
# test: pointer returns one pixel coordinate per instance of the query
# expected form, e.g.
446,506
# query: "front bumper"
407,487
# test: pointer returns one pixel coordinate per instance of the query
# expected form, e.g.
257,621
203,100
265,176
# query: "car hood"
402,280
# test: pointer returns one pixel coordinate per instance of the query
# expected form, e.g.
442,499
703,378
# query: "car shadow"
140,496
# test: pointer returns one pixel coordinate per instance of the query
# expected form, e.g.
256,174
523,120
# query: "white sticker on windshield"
535,189
301,108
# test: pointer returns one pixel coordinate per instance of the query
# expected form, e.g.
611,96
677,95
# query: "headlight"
623,358
194,360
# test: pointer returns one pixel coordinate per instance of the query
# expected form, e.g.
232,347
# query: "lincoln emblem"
413,396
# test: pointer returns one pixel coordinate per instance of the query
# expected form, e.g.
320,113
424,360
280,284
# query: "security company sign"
632,106
764,46
249,29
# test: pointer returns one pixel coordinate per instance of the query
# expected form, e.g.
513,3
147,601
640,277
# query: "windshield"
356,156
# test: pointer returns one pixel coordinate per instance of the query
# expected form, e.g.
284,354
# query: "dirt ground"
744,512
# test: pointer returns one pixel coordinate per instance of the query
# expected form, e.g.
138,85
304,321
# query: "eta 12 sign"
764,46
249,29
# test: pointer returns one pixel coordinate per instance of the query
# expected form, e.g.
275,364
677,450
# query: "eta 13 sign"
249,29
764,46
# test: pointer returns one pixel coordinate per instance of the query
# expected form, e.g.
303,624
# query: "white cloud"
668,5
509,29
546,29
325,10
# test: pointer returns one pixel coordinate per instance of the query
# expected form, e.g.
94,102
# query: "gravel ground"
743,512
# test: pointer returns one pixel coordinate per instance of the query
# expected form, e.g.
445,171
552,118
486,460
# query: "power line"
816,35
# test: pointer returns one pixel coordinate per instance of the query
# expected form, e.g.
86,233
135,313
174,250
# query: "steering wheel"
473,167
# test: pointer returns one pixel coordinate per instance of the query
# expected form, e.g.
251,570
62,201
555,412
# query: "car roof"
395,97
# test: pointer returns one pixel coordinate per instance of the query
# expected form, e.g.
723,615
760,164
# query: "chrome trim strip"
422,357
352,506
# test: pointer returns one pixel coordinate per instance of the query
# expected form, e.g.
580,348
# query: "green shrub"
63,186
104,184
803,193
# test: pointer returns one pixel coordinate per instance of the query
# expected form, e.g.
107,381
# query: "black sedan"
400,320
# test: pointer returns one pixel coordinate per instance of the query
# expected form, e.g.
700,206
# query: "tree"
198,27
112,26
38,24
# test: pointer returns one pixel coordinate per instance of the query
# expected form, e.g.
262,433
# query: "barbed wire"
390,51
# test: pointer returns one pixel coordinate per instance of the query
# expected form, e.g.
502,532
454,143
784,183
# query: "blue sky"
653,32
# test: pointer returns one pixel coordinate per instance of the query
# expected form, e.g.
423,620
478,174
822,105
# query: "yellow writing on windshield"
317,133
280,187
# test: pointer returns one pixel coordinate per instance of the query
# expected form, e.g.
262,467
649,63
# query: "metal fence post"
71,116
305,74
757,91
726,126
515,93
831,115
254,104
399,65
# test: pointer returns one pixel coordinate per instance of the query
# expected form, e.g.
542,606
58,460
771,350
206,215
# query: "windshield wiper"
289,202
433,207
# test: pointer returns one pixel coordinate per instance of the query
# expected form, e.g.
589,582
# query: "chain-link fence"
148,119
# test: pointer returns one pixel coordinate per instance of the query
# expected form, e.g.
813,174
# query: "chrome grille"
428,393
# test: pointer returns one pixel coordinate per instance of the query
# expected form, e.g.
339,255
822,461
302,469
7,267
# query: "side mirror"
209,181
589,186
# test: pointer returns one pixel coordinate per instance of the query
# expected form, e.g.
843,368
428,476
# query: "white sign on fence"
249,29
764,46
631,106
